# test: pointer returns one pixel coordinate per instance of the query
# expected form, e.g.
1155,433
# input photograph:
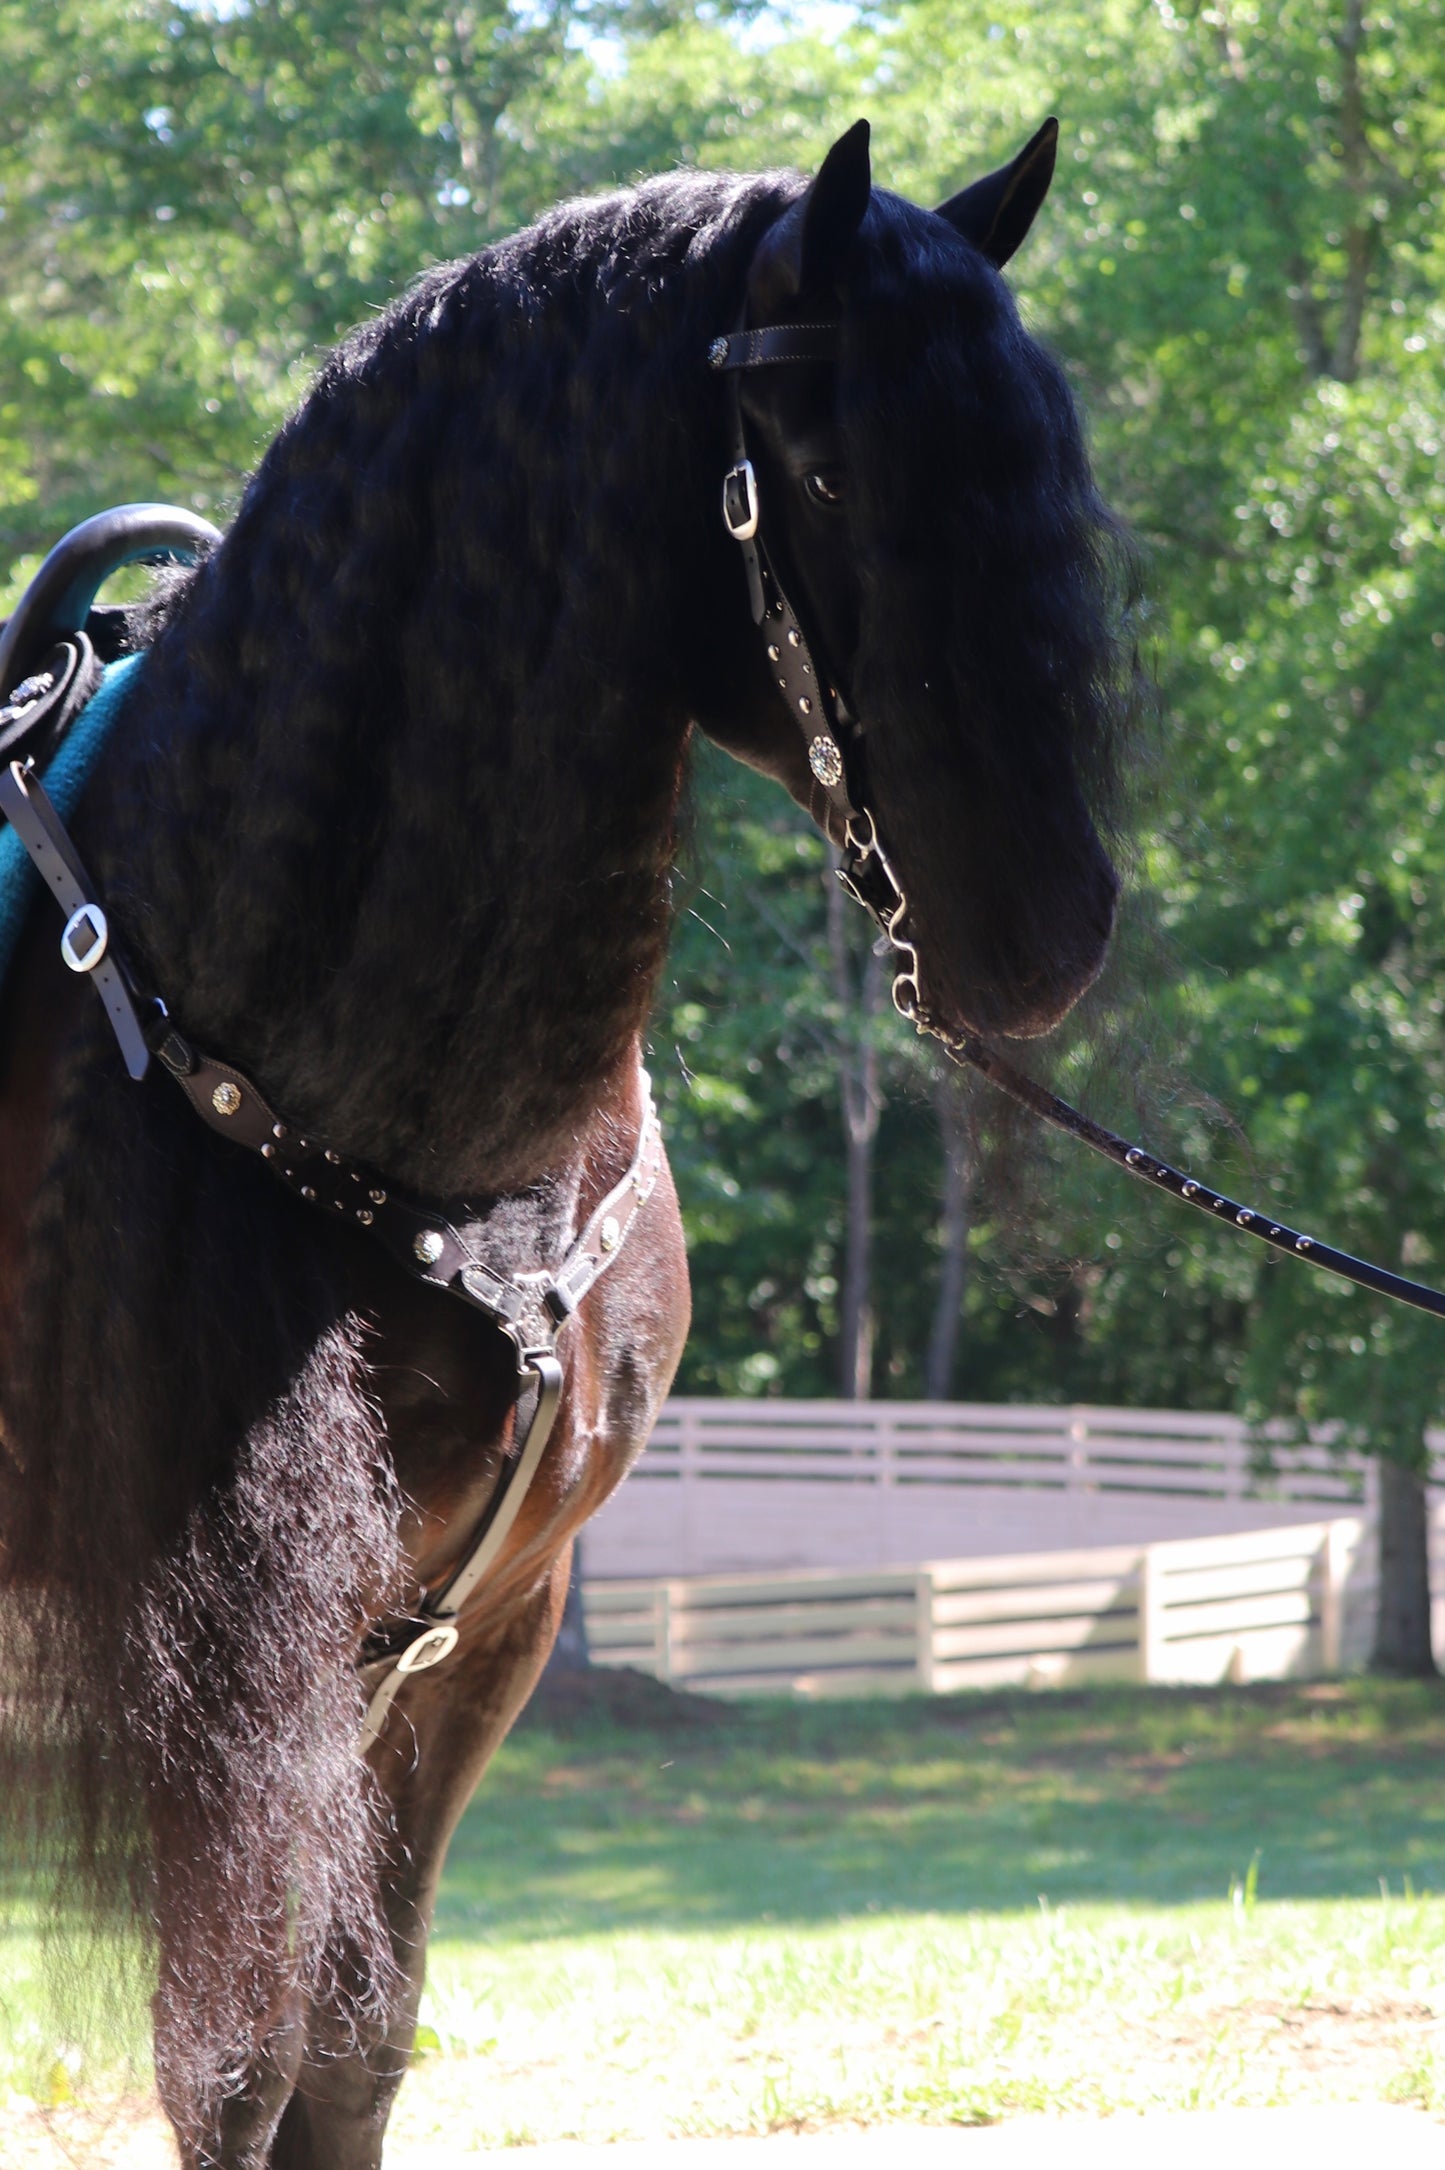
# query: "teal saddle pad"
65,779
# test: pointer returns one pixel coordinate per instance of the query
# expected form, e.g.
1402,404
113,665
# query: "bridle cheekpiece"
832,736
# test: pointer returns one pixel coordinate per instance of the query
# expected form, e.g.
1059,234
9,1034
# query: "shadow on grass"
685,1815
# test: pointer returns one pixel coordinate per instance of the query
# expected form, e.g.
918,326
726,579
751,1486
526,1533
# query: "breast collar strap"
431,1243
428,1240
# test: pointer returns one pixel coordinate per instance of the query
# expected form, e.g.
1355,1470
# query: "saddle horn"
59,598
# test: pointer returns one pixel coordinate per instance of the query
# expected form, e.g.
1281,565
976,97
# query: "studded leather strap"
530,1308
421,1234
778,343
813,704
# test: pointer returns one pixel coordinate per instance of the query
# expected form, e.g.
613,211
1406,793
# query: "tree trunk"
1402,1620
953,1264
855,1313
1362,234
862,1104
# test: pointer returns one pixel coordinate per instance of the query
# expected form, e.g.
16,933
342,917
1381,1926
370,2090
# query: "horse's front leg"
240,2131
439,1739
247,2121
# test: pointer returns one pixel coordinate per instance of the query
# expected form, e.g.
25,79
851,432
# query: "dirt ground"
130,2135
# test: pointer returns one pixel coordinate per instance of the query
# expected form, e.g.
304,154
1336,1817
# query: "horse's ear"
804,252
996,212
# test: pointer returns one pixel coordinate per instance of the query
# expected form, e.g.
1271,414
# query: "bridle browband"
427,1239
834,738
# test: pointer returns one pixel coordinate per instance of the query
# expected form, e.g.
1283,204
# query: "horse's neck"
399,836
439,951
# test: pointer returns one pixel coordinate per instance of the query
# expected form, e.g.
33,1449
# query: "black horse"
390,823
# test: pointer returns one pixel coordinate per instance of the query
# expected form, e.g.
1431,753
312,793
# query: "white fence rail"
742,1486
1257,1605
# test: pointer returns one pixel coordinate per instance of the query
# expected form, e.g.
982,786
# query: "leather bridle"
834,737
832,733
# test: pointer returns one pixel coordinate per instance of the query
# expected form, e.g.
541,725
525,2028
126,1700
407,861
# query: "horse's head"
927,504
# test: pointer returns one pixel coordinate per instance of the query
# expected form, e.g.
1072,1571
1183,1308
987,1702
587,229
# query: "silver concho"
825,760
428,1247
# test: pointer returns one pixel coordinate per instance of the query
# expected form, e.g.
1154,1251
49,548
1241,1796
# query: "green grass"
765,1915
805,1813
944,1910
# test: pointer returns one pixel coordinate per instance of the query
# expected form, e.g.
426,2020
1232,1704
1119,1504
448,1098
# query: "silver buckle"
429,1649
86,938
740,502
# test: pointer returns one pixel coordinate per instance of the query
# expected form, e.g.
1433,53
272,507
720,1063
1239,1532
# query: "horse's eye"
825,486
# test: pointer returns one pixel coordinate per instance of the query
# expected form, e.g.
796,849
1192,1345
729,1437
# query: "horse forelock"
993,667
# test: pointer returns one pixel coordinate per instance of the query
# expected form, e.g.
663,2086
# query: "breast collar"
431,1240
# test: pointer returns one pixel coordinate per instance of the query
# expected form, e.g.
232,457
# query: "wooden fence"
1262,1604
758,1486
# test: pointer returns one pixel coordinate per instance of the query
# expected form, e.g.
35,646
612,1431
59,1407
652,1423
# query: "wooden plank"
641,1656
1030,1637
1033,1569
1284,1541
1037,1601
621,1627
752,1623
1275,1654
1195,1483
1289,1608
803,1585
619,1591
1241,1578
614,1649
789,1653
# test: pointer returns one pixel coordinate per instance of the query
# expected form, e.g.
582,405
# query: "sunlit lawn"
945,1910
764,1915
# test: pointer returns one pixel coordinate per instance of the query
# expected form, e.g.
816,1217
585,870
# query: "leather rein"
836,748
426,1238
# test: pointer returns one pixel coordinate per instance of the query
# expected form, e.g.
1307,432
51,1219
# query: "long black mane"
389,822
481,558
